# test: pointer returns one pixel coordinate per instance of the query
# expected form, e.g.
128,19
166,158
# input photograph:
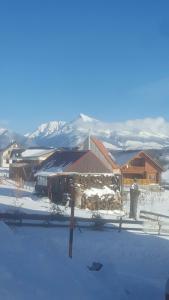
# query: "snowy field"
34,262
24,198
34,265
157,202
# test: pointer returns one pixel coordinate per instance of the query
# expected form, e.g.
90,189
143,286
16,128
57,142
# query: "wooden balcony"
133,170
128,181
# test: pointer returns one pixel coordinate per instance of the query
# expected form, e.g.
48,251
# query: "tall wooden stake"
72,205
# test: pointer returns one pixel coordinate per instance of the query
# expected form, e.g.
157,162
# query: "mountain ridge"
148,133
133,134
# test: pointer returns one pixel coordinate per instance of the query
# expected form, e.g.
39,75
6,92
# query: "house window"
42,180
138,162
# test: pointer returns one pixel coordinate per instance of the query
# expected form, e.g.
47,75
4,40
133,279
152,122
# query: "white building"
5,154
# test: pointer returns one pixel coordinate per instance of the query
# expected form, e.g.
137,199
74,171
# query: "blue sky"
108,59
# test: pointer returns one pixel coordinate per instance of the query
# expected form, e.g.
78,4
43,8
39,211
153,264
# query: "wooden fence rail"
57,220
160,220
145,212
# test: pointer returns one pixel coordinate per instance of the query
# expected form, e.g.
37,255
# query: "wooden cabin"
138,165
71,161
25,163
55,172
60,187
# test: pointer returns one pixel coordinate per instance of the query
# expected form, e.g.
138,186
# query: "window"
42,180
138,162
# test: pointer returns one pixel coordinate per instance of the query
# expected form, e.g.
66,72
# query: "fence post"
159,226
120,224
134,194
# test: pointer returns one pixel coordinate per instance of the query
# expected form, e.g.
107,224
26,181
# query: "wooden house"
25,163
138,165
72,161
92,157
73,166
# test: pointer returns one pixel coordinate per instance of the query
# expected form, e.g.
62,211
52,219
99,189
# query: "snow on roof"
61,160
46,174
122,157
36,152
49,173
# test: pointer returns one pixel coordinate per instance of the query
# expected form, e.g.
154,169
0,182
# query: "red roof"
74,161
105,153
88,163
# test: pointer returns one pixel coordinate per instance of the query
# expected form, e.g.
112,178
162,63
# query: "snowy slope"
47,129
134,134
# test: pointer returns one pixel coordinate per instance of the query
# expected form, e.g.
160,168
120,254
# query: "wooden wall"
146,174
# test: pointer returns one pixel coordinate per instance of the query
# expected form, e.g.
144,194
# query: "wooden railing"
133,169
58,220
160,220
128,181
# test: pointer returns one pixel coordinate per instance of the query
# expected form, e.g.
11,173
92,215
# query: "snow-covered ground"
34,265
157,202
24,198
34,262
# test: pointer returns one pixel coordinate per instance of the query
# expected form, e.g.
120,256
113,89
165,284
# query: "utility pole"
72,206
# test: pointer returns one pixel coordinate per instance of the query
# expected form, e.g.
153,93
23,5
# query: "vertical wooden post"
72,205
159,226
134,194
120,224
122,185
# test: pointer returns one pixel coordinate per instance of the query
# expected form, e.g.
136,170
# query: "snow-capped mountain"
146,133
134,134
46,129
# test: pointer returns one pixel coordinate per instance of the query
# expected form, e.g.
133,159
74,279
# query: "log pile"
107,201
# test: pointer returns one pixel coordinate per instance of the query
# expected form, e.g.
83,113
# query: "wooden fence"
160,222
59,220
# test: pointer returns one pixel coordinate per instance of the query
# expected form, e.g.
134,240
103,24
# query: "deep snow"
34,265
34,262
